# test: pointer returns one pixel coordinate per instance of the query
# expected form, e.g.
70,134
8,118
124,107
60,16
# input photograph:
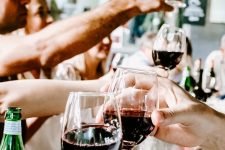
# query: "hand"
132,80
185,121
146,6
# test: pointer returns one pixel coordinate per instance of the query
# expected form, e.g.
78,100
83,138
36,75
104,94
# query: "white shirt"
218,60
138,59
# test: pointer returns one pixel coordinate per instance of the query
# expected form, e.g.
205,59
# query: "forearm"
41,97
85,30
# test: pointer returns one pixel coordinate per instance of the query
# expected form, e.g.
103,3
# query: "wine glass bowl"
169,47
176,3
87,123
136,100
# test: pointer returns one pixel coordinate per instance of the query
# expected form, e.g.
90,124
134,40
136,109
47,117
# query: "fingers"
168,116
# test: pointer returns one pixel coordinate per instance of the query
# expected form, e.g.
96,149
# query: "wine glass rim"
149,71
92,93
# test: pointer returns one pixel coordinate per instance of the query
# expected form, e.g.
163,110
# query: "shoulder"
214,55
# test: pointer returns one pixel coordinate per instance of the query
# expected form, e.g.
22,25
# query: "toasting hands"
180,118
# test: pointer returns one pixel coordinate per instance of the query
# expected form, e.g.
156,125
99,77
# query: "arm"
41,97
69,37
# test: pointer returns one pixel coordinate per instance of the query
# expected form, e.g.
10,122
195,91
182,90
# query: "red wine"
169,60
135,125
91,137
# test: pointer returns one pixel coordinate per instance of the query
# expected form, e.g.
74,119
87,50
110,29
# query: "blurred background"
204,30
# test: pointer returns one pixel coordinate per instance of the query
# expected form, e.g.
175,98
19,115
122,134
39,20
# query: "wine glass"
176,3
169,47
91,121
136,100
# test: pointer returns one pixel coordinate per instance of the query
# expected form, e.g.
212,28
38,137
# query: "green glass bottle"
189,82
12,138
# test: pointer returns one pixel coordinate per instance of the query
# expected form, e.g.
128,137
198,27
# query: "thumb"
161,72
168,116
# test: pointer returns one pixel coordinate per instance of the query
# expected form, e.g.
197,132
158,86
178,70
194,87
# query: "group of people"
184,120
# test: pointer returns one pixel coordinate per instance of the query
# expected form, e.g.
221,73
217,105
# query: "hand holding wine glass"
136,99
169,46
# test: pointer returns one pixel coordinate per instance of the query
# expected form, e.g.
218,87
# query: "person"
180,119
86,66
216,60
63,39
142,57
38,17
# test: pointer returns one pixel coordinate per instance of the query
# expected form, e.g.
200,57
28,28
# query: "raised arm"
69,37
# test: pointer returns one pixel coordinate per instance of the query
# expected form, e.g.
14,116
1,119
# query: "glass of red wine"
169,47
91,121
136,99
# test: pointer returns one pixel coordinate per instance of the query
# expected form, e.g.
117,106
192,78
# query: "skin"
185,121
28,94
94,57
54,44
180,118
37,16
15,18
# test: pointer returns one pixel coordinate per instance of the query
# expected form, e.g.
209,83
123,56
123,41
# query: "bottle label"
12,127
